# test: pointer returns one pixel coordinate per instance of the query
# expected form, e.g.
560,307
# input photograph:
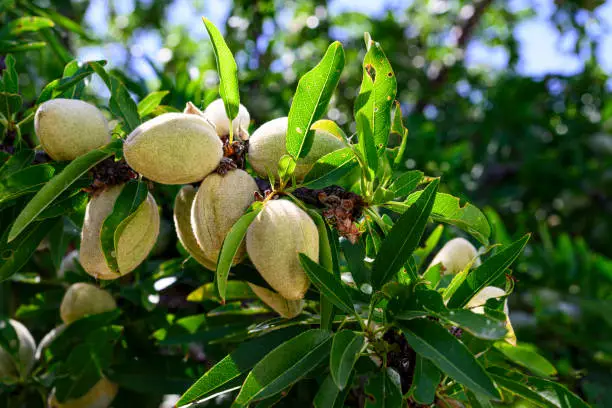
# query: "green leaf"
150,102
77,374
25,181
355,259
478,325
228,71
59,184
10,77
58,19
132,195
236,290
56,87
345,350
286,167
285,365
326,259
329,396
236,363
404,184
397,126
230,246
328,284
383,391
311,98
521,390
20,46
25,24
16,162
527,357
403,238
425,381
448,209
10,104
487,273
451,356
331,168
331,127
557,394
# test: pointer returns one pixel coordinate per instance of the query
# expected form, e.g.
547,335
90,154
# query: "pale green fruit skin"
286,308
69,128
267,146
101,395
219,203
455,256
478,302
275,238
48,339
182,223
83,299
135,242
11,370
174,148
215,113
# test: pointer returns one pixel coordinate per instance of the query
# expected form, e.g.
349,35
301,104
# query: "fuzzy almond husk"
478,302
274,240
284,307
182,223
135,243
455,256
69,128
11,370
101,395
220,201
267,146
174,148
215,113
83,299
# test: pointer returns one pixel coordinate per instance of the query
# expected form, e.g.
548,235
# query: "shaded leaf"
345,350
328,284
425,381
527,357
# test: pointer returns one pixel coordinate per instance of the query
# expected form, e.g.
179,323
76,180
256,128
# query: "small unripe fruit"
455,256
12,370
182,224
286,308
267,146
478,302
174,148
99,396
215,112
48,339
274,240
69,128
135,243
219,203
82,299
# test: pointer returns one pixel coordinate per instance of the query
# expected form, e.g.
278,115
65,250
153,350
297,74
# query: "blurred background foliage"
536,146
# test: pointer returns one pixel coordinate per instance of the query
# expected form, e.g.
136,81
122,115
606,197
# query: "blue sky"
542,50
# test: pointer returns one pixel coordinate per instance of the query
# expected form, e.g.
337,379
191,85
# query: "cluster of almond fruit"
187,148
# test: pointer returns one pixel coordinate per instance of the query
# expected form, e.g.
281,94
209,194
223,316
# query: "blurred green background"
508,101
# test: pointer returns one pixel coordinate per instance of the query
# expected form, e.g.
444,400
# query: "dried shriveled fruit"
478,302
101,395
10,369
69,128
275,238
219,202
215,113
456,255
182,224
284,307
267,146
174,148
135,242
82,299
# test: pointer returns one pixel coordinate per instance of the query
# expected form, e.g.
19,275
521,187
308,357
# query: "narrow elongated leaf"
59,184
10,78
478,325
311,98
528,358
285,365
20,46
346,347
236,363
404,237
487,273
330,127
25,181
329,396
54,88
425,381
331,168
404,184
25,24
451,356
230,246
130,198
16,162
328,284
326,260
150,102
521,390
228,71
10,104
355,258
557,394
397,126
383,391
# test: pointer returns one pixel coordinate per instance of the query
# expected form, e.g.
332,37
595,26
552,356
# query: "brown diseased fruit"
275,238
286,308
69,128
220,201
174,148
82,299
267,146
135,242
